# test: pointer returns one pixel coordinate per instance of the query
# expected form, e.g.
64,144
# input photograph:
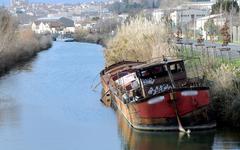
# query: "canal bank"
18,43
48,104
18,54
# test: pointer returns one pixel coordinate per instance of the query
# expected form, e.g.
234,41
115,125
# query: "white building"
54,25
198,4
218,20
41,28
184,16
69,29
158,14
123,17
236,29
18,2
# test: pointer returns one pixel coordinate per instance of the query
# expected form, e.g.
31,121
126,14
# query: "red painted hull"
158,112
162,107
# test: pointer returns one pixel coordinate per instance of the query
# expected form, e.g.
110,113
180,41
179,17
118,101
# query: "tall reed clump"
17,44
225,93
8,27
139,39
223,77
29,41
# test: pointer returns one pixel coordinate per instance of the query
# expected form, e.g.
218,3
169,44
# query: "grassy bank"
142,40
18,44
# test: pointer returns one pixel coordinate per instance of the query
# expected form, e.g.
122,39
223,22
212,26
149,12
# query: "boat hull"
199,119
158,114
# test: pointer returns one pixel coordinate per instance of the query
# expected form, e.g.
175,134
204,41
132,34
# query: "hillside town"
64,19
195,17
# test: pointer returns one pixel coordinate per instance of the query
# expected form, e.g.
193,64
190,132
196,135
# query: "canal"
48,104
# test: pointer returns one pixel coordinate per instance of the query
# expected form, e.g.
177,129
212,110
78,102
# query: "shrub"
225,94
80,34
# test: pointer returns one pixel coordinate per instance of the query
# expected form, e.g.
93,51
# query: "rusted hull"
158,109
198,119
158,113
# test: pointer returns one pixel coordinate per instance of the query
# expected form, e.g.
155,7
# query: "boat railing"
191,82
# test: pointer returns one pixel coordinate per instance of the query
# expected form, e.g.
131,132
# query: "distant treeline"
225,6
133,6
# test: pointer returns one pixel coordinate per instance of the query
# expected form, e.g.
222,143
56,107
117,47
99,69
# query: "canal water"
48,104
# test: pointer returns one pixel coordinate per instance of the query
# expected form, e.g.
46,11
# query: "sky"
6,2
63,1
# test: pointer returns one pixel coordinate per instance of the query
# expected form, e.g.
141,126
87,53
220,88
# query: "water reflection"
142,140
9,112
25,66
226,138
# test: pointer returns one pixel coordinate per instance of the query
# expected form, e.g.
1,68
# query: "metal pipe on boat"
180,127
95,87
173,98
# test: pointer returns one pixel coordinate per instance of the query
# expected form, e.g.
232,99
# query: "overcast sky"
6,2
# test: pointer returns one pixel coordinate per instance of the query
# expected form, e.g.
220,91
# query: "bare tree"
107,25
225,33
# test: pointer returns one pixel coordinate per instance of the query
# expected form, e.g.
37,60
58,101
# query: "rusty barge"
157,95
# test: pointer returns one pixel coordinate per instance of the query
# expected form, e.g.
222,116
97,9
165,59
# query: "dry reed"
140,39
18,44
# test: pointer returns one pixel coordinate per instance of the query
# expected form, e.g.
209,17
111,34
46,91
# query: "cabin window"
154,72
173,67
157,70
145,73
160,71
180,67
119,75
177,67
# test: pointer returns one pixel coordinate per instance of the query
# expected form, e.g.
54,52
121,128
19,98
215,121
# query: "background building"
18,2
184,16
60,25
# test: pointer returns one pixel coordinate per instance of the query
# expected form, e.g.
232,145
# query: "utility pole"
231,21
194,22
100,9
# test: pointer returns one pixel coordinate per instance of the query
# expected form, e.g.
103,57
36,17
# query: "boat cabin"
159,71
147,80
156,78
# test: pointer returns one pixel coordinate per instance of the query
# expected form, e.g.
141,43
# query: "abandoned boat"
158,95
